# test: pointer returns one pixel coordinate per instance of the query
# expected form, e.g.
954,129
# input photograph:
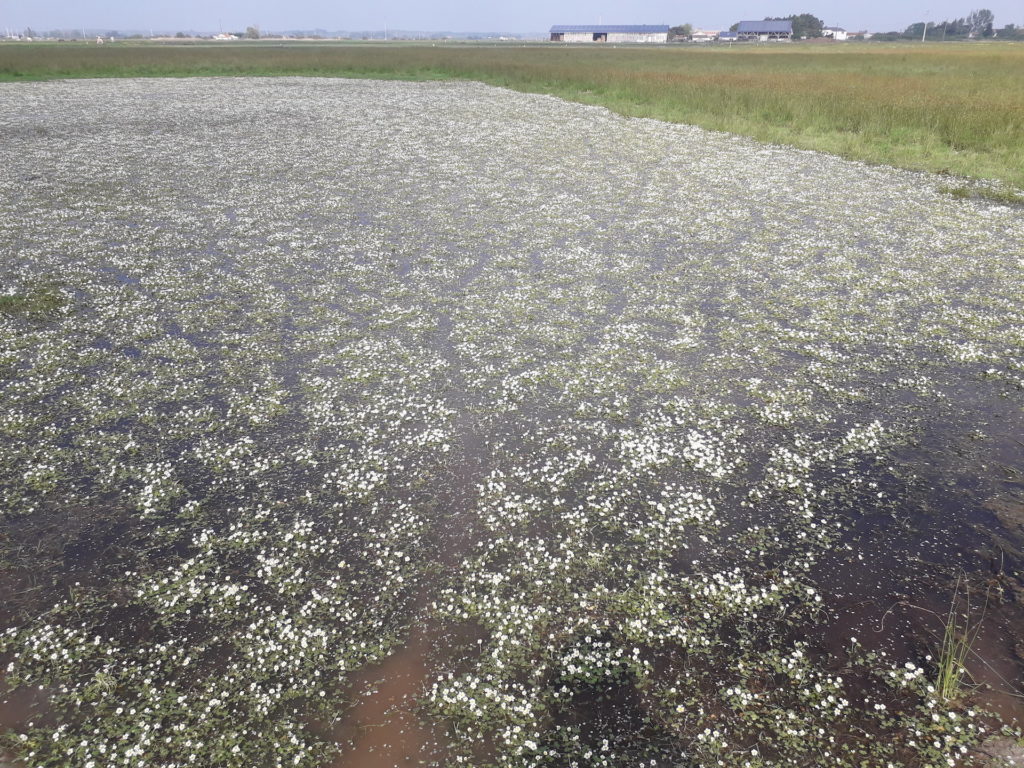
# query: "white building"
610,33
705,35
836,33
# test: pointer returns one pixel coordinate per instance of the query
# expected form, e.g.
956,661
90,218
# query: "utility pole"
925,22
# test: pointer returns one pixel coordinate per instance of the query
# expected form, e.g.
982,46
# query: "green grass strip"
949,108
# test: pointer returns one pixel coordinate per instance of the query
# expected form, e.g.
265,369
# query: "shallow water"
385,423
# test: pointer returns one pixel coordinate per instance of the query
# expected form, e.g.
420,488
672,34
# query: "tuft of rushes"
958,639
992,194
37,303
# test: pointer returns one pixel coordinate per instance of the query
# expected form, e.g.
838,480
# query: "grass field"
952,108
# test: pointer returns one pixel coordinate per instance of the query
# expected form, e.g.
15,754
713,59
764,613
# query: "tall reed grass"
958,639
956,108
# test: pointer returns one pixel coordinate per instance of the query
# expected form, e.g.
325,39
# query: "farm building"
836,33
610,33
765,30
705,35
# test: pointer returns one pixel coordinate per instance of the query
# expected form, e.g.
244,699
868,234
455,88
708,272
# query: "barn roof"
628,28
764,27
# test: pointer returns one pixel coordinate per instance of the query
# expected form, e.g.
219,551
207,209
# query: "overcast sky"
471,15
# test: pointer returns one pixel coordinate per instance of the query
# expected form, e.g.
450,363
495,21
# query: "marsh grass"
958,639
944,108
36,303
994,194
962,191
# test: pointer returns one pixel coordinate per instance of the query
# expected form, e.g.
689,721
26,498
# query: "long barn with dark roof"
765,30
609,33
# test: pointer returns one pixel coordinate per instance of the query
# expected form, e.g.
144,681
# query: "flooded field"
355,423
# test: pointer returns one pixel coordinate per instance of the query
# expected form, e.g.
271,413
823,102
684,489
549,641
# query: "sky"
471,15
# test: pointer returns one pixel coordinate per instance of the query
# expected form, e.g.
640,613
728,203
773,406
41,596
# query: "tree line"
977,24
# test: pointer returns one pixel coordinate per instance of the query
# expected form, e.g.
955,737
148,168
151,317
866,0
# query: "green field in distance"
951,108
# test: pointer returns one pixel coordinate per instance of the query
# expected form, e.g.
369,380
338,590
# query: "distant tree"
804,24
980,23
957,28
808,25
683,30
734,27
180,34
252,33
29,32
915,31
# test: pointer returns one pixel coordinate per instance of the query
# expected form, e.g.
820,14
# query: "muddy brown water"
954,541
383,729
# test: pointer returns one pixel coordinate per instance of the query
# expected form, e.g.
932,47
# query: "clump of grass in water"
39,302
957,641
962,192
996,195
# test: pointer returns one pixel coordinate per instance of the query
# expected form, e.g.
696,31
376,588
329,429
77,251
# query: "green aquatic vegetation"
37,303
592,426
958,639
999,194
